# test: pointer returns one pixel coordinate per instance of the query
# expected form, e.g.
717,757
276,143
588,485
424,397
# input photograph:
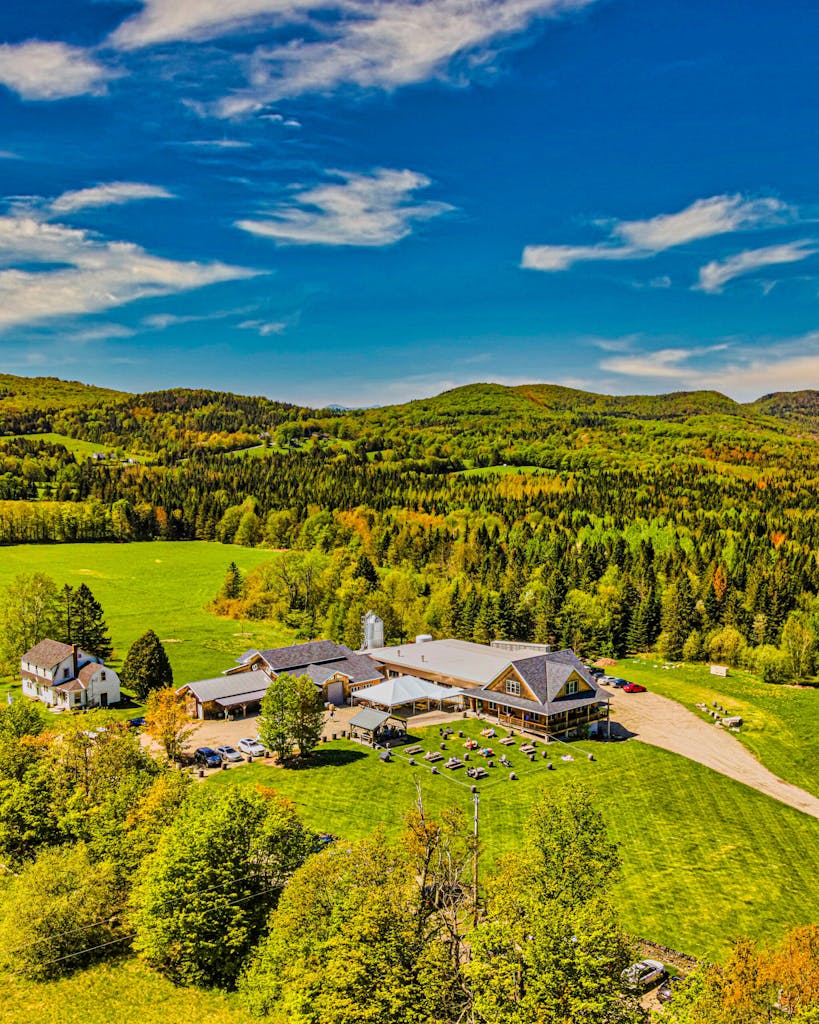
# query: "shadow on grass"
326,759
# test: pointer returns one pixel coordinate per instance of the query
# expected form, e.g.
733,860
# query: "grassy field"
124,992
159,585
77,446
780,723
705,858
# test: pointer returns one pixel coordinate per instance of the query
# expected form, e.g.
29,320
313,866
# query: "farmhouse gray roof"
223,687
47,653
321,659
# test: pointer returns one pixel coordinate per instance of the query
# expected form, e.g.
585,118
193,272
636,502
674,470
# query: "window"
65,673
102,676
571,687
513,687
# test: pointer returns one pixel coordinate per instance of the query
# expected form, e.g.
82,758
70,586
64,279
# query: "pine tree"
232,583
85,624
366,570
146,666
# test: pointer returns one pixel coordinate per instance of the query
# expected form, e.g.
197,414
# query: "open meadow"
159,585
705,859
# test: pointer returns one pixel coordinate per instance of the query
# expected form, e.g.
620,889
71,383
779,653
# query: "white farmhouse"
63,676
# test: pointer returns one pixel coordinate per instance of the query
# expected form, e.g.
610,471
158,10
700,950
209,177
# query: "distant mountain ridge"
18,393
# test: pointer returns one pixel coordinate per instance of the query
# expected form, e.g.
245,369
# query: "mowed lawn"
159,585
780,723
121,992
705,858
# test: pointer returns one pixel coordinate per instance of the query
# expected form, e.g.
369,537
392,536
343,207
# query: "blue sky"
365,201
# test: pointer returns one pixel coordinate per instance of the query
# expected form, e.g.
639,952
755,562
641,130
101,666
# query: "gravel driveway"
665,723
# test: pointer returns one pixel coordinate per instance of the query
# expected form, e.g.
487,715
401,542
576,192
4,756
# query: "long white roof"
394,693
459,660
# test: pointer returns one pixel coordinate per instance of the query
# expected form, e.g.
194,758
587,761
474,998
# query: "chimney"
74,661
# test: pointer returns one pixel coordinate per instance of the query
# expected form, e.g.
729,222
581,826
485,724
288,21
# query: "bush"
55,911
770,664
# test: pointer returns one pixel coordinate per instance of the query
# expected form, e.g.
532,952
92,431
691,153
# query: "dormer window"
571,687
65,673
513,687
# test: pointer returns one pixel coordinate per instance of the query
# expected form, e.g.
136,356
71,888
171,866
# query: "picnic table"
527,748
414,750
508,741
433,755
453,763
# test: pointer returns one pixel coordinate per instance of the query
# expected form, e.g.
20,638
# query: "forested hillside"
539,512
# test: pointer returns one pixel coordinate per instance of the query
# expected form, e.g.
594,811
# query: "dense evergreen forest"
612,524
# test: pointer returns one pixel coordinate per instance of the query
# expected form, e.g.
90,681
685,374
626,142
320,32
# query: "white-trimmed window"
513,687
571,687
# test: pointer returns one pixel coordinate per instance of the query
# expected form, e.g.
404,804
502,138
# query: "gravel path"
665,723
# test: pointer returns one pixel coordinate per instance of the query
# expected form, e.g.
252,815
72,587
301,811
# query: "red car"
634,688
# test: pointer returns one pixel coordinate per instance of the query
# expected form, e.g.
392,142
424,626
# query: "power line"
133,935
116,910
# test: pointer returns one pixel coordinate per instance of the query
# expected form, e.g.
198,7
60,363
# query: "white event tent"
406,690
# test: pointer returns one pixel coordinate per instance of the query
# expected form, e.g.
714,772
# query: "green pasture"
84,449
780,723
159,585
705,858
125,992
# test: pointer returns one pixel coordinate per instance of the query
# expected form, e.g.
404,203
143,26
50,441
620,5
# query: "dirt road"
667,724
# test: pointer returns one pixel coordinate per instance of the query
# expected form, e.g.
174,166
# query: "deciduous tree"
167,721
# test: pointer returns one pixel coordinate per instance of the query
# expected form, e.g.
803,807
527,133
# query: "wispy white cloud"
641,239
264,328
361,209
114,193
715,275
52,70
561,257
218,144
704,218
384,44
92,275
166,21
744,371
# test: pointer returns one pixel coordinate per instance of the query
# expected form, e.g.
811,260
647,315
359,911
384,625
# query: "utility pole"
476,801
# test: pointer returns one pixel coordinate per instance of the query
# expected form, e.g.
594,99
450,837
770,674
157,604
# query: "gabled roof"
546,675
86,673
47,653
282,659
321,659
369,719
241,684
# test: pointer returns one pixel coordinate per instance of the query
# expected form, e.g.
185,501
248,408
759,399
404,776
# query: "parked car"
135,723
606,680
618,683
633,688
594,671
229,754
643,973
665,993
207,758
251,747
